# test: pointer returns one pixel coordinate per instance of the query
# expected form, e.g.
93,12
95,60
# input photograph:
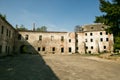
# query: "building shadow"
26,65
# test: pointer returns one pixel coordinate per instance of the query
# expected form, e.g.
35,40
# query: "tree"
21,27
111,17
42,28
3,16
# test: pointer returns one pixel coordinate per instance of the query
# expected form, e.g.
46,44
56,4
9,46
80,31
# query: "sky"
57,15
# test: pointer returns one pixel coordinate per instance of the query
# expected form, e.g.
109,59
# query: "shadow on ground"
25,67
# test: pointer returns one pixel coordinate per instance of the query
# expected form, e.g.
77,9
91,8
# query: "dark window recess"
53,49
19,37
91,27
69,40
6,49
43,49
70,50
77,40
40,37
86,47
26,37
100,33
62,50
7,32
2,30
77,48
85,40
91,34
104,47
91,40
91,47
62,38
89,52
107,39
0,48
101,39
85,34
106,33
38,48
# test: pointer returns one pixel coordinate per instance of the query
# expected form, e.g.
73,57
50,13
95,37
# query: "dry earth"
58,67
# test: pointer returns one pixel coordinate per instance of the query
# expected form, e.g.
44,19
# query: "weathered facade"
89,39
7,37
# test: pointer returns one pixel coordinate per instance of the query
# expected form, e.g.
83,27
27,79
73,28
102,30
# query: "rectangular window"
85,40
77,48
76,40
104,47
101,39
100,33
91,40
0,48
38,48
107,39
19,37
86,47
91,34
69,40
85,34
62,38
106,33
43,49
62,50
53,49
2,30
26,37
91,47
7,32
70,50
40,37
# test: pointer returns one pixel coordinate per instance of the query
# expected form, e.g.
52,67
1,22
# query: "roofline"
8,23
41,31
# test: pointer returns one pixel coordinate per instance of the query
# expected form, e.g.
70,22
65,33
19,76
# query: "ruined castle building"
91,39
7,37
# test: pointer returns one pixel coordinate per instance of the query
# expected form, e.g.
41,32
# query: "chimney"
33,26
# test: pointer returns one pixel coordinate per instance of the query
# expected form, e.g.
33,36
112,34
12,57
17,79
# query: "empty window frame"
62,38
104,47
2,30
100,33
19,36
85,40
77,48
38,48
85,34
91,40
0,48
91,34
53,49
70,49
107,39
91,27
43,49
106,33
91,47
62,50
101,39
40,37
7,32
86,47
26,37
69,40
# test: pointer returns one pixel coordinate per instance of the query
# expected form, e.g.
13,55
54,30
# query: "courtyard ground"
58,67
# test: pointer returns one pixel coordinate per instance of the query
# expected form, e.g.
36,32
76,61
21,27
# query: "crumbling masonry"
88,39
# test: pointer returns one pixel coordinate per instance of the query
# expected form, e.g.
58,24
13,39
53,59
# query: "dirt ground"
58,67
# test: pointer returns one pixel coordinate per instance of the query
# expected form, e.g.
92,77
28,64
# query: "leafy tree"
3,16
43,28
21,27
111,17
